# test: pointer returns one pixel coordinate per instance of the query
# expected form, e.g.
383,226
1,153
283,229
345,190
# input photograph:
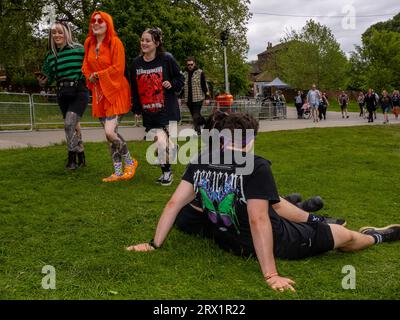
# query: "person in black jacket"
370,102
195,92
156,79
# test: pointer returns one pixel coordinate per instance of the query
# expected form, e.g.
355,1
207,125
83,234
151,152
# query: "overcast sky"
267,28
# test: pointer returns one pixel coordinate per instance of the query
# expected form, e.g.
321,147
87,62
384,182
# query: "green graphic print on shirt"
220,204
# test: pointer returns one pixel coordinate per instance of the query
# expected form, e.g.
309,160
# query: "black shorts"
78,104
193,222
343,106
291,240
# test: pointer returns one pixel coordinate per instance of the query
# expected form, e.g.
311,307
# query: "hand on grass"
140,247
281,284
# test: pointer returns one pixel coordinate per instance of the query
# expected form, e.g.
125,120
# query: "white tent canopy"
277,83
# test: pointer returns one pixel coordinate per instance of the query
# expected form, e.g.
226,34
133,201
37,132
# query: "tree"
376,63
358,70
390,25
190,28
313,56
382,60
19,48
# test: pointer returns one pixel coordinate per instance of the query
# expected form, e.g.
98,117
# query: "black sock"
314,218
165,168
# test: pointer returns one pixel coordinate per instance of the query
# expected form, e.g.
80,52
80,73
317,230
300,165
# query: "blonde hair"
69,41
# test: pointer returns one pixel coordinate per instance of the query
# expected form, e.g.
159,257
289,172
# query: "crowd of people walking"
315,104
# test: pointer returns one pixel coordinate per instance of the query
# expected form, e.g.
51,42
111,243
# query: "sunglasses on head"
156,33
156,30
62,22
99,20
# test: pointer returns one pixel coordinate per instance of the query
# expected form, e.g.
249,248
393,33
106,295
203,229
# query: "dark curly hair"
234,121
157,36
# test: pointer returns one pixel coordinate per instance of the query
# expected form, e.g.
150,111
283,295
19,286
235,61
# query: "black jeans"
195,111
77,104
371,114
322,112
299,110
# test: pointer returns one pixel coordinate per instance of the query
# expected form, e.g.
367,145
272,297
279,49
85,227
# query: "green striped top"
69,64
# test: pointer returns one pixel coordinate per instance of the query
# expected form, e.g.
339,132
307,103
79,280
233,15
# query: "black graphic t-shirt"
157,105
396,100
223,195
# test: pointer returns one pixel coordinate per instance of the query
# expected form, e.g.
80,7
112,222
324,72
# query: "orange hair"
110,27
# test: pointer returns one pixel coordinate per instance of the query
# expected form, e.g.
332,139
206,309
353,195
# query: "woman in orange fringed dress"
104,67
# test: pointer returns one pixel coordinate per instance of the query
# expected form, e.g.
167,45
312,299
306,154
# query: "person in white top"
313,98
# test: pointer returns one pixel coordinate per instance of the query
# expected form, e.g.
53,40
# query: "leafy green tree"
358,70
19,48
376,63
190,28
390,25
313,56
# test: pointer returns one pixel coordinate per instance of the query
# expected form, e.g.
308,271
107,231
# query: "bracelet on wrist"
270,275
152,244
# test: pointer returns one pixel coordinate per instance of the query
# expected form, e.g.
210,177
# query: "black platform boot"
71,164
81,159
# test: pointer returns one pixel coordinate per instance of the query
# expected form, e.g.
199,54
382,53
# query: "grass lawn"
81,226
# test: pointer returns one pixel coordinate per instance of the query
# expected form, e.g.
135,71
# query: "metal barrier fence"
46,112
15,112
21,111
258,109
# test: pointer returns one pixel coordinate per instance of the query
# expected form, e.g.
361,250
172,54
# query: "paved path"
43,138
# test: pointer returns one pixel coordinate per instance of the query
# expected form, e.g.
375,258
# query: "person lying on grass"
241,213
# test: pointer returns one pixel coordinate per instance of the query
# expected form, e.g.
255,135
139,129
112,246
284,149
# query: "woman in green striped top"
63,65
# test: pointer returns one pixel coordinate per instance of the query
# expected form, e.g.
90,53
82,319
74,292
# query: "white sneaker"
161,178
167,179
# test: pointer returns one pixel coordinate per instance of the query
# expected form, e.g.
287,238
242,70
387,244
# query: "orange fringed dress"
111,94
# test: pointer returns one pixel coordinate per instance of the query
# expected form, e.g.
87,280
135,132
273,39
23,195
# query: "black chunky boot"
81,159
71,164
311,205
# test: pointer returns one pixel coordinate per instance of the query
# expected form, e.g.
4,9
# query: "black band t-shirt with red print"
157,105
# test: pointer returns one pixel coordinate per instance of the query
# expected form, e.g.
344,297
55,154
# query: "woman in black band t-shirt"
156,78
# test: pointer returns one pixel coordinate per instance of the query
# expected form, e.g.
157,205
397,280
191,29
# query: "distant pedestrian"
313,98
361,103
386,105
396,103
370,102
377,102
298,102
323,105
195,92
343,102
